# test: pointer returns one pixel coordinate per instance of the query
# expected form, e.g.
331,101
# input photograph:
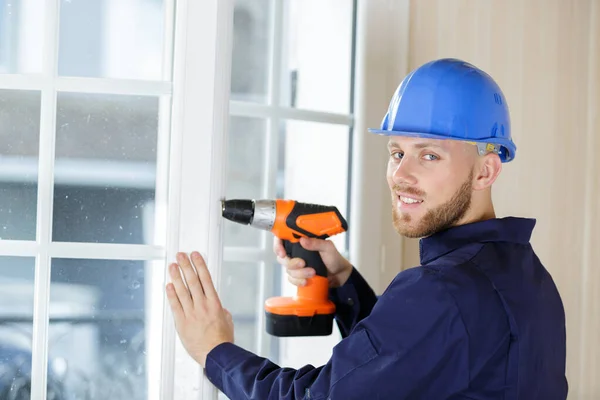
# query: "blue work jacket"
480,318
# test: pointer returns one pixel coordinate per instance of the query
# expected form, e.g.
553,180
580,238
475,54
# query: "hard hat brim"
508,146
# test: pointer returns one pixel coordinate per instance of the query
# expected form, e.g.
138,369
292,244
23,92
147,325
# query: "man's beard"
437,219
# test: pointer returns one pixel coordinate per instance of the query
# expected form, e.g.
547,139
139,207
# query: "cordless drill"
310,312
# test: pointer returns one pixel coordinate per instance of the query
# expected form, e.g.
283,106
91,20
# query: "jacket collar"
510,229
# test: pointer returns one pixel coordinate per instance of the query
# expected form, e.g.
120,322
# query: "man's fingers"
176,307
182,293
278,248
205,278
191,277
293,263
302,273
296,281
283,260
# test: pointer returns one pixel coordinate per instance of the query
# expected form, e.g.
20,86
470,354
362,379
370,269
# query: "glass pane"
16,327
111,38
105,168
246,157
21,36
98,337
19,143
251,42
239,294
316,71
315,166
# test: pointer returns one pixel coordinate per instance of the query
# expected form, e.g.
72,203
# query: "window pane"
323,180
239,294
16,327
21,36
105,168
98,336
111,38
19,142
317,68
246,158
251,39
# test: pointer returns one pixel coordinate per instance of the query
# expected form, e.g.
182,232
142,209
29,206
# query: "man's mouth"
409,200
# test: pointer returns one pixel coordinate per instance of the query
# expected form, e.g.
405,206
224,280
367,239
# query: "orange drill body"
310,312
309,221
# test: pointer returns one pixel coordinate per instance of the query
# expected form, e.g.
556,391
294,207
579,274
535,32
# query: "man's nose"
403,172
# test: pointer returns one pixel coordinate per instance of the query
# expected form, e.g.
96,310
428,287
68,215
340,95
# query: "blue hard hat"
451,99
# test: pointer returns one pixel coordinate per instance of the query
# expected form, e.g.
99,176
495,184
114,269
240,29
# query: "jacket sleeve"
412,345
353,302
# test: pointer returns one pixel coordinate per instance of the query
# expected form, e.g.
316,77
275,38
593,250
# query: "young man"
480,318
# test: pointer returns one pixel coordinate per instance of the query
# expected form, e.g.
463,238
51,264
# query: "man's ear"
487,170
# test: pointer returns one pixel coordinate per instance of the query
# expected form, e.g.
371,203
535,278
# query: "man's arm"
412,345
353,301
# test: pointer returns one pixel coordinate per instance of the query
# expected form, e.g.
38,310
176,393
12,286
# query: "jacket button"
350,301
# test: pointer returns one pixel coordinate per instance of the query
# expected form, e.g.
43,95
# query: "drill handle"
311,258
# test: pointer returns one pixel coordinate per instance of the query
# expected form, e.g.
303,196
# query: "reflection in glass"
98,332
111,39
316,67
246,158
19,143
21,36
251,39
16,327
105,168
239,294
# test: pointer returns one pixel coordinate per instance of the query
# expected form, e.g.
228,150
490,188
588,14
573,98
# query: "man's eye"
397,155
431,157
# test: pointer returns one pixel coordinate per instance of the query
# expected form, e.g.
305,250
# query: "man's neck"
477,215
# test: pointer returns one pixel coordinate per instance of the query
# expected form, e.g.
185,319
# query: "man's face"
430,182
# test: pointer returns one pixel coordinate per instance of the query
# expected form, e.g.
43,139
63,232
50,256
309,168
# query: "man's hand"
200,319
338,268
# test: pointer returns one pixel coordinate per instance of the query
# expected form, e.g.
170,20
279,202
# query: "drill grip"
311,258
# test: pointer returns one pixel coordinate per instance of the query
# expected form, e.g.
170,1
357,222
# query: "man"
480,318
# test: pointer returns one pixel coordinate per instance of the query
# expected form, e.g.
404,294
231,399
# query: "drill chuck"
240,211
260,214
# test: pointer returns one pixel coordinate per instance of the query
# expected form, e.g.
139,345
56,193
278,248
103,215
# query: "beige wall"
545,54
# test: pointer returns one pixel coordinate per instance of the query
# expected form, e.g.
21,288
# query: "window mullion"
169,350
112,86
160,376
22,82
255,110
44,205
106,251
201,74
18,248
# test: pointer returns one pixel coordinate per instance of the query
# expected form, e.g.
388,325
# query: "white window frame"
201,82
